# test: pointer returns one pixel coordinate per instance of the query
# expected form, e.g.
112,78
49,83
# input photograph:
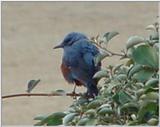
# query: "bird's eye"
68,42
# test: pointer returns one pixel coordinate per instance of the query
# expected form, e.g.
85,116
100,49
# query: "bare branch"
112,53
40,94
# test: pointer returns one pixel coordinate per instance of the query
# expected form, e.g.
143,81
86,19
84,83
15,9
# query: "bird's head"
70,39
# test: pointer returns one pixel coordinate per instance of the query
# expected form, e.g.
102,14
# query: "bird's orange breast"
66,71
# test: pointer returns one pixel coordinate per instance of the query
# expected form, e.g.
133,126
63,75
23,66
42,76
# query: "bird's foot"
89,95
74,95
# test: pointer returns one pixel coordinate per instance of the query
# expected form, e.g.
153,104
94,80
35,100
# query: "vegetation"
128,92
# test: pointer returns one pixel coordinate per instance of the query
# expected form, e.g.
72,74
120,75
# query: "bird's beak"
58,46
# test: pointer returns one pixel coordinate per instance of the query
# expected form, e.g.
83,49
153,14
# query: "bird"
78,66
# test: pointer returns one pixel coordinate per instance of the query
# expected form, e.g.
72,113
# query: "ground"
30,30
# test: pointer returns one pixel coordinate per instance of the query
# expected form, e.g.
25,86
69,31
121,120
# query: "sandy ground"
31,29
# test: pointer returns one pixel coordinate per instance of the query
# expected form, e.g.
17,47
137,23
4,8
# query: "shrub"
128,93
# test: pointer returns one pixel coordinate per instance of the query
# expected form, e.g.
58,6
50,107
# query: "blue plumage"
78,61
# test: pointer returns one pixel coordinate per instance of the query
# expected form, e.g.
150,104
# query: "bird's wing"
89,60
85,61
89,52
86,49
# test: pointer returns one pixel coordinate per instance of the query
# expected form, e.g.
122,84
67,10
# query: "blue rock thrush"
78,61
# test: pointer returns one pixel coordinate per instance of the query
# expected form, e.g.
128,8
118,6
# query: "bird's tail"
92,89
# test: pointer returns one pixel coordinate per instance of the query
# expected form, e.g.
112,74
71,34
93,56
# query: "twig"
40,94
112,53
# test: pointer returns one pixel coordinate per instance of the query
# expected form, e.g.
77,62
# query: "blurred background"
30,30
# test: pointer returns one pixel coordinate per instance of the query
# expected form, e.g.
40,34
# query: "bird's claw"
89,95
74,95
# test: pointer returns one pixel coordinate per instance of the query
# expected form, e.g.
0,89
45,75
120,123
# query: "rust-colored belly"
68,76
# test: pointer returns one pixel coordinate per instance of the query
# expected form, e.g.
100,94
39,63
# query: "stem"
39,94
112,53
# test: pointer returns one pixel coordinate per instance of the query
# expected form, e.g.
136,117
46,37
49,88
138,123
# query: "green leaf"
82,101
91,112
140,92
104,111
130,53
156,46
134,69
153,121
134,40
101,74
87,121
92,121
123,70
71,110
129,62
150,96
155,36
143,75
152,83
151,27
135,122
54,122
121,77
147,109
38,124
111,86
151,89
139,84
61,92
41,117
83,121
109,35
133,116
116,68
94,104
32,84
104,106
68,118
130,107
146,55
100,56
122,97
53,119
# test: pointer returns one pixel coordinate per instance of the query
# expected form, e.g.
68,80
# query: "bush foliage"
128,92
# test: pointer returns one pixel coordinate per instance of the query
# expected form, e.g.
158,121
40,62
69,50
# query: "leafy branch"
98,41
33,83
